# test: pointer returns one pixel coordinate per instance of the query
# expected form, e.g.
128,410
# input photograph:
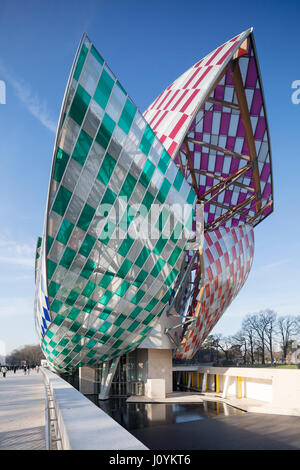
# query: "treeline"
264,338
32,354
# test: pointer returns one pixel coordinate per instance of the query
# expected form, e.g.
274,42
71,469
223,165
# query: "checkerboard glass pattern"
227,260
106,288
183,112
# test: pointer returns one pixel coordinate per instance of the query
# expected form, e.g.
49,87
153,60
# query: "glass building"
148,232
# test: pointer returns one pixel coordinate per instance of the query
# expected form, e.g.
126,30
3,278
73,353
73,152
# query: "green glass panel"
109,197
106,169
105,326
178,180
166,297
89,289
160,244
191,196
128,186
72,297
75,326
90,332
118,333
74,313
135,312
174,255
133,326
117,343
127,116
147,173
140,278
91,343
105,131
138,297
80,104
120,86
120,320
63,342
125,246
62,200
80,62
60,164
64,231
91,353
50,268
88,269
163,192
97,55
151,305
164,161
82,147
58,319
123,288
172,276
107,232
76,338
148,200
107,278
52,344
142,258
77,348
86,217
104,357
106,297
103,89
158,267
50,240
147,140
123,271
177,232
89,306
105,314
67,258
104,339
148,319
87,245
53,289
55,306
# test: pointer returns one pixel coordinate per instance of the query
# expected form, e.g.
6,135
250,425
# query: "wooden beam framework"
245,115
230,213
219,149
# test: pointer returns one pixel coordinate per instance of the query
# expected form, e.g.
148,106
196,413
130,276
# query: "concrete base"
87,380
155,388
175,397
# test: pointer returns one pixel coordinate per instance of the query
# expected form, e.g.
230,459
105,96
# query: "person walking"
4,370
25,369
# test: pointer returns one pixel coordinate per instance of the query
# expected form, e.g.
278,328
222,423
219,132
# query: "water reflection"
142,415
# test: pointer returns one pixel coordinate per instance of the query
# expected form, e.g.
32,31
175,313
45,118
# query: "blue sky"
147,43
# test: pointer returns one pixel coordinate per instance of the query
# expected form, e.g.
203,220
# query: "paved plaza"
22,411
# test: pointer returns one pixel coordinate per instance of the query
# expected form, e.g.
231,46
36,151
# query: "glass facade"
122,199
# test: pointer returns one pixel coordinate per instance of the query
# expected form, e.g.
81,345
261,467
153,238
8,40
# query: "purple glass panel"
256,103
240,129
207,122
204,161
267,191
225,120
260,128
219,163
251,74
230,143
265,172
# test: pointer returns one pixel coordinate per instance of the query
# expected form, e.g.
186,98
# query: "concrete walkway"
22,411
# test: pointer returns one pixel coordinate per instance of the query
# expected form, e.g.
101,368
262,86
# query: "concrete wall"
278,388
84,426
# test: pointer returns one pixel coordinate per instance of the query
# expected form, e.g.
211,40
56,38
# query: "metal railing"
53,439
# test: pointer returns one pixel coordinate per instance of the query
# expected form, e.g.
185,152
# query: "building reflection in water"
142,415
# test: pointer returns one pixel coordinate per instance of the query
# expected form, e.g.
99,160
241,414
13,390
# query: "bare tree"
249,334
32,354
288,327
240,342
269,317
